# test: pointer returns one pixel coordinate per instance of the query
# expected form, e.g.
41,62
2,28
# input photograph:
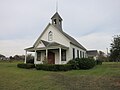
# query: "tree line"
16,57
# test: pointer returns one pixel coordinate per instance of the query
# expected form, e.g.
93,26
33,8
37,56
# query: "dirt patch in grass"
86,82
116,81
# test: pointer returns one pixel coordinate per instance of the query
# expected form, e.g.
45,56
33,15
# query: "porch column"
35,58
25,56
46,53
59,55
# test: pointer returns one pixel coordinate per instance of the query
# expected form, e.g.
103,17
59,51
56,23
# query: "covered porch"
53,53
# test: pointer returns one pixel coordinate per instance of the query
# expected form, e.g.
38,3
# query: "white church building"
56,46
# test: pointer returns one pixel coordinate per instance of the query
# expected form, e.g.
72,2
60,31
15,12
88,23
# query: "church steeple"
57,21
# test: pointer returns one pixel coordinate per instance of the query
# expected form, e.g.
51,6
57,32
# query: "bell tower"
57,21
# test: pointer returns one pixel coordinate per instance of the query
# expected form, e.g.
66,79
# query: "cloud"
14,47
22,17
90,15
96,41
90,21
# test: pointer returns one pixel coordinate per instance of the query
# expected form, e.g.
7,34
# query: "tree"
102,56
16,57
11,58
2,57
19,57
115,49
30,58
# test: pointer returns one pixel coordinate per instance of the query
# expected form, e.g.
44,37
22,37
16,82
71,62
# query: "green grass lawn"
101,77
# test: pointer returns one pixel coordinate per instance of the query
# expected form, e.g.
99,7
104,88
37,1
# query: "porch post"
59,55
35,58
25,56
46,53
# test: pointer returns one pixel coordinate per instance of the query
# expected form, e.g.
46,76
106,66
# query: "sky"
91,22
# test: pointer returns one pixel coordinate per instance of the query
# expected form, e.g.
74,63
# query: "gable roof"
56,15
41,35
72,40
45,42
48,44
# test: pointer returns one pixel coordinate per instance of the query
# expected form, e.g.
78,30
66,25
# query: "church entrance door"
51,58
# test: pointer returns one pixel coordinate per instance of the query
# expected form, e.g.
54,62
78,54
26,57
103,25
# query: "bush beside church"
82,63
76,64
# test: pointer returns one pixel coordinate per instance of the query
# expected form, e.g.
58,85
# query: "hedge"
86,63
27,66
78,63
30,61
53,67
82,63
74,64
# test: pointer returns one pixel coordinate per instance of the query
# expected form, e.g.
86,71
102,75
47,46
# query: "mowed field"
101,77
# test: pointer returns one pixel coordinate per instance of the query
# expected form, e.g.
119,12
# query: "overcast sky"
91,22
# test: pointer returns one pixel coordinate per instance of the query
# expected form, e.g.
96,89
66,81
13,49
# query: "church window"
73,53
77,53
63,55
50,36
38,56
83,54
55,22
80,54
59,21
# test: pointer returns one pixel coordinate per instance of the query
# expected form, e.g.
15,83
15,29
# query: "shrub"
98,62
27,66
86,63
74,63
30,61
82,63
53,67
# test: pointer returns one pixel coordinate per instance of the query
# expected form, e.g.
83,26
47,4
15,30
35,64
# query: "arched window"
50,36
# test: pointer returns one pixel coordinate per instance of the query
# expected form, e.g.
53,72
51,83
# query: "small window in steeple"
55,22
59,22
50,36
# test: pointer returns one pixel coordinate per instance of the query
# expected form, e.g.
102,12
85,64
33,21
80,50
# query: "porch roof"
48,45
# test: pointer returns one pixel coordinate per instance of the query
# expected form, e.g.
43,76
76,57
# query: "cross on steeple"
57,6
